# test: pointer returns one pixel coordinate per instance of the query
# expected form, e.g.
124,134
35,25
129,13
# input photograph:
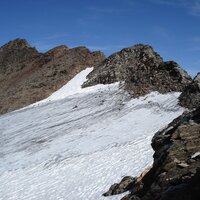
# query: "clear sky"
172,27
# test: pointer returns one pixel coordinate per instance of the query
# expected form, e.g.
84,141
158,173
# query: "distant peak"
141,50
17,43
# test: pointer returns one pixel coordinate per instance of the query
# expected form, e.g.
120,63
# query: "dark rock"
176,169
27,76
142,70
190,98
185,191
130,197
75,107
118,188
126,184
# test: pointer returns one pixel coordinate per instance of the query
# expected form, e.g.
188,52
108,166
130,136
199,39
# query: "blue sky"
172,27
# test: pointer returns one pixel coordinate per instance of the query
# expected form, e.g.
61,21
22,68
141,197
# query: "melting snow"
78,142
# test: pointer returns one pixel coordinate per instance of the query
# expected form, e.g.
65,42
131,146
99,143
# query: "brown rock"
27,76
127,183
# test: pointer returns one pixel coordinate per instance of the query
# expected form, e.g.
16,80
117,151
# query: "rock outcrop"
175,173
128,183
125,184
27,76
142,70
190,97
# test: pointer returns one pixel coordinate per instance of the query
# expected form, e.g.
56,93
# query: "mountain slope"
27,76
75,147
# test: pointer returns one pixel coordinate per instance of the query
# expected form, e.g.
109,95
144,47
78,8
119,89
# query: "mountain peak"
27,76
140,47
17,43
142,69
143,51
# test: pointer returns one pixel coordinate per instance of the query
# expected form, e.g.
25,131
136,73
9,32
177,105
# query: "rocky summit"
27,76
142,70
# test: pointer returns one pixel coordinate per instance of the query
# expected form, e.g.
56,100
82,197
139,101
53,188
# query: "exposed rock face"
27,76
175,173
128,183
125,184
190,98
142,69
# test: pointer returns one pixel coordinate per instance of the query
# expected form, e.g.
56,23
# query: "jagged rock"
127,183
190,98
175,173
27,76
118,188
142,70
14,55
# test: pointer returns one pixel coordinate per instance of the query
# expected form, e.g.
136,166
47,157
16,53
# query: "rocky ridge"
176,169
142,70
190,97
27,76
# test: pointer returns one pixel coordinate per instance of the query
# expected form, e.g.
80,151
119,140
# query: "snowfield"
78,142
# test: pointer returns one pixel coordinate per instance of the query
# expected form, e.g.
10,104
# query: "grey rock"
142,70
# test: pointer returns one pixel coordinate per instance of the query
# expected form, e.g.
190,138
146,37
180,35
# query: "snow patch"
72,87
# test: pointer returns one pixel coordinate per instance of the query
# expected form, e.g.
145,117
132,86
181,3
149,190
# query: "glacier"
77,142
